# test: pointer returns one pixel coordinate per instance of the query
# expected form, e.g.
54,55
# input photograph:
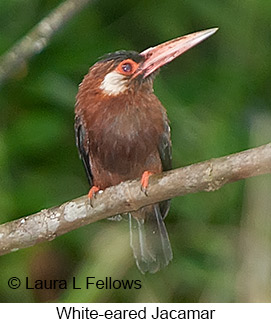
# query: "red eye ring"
127,67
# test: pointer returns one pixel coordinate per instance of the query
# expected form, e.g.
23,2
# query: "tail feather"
149,239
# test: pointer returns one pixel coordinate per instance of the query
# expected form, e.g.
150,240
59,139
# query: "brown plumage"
122,133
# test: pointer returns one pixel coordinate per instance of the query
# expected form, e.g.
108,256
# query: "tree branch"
37,39
205,176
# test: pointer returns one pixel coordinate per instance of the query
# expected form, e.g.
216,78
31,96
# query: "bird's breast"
123,139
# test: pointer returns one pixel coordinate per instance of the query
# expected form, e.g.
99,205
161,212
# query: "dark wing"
81,143
165,148
165,153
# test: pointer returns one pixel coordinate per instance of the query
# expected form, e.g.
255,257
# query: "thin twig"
206,176
37,39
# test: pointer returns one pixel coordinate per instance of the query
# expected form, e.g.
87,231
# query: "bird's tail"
149,239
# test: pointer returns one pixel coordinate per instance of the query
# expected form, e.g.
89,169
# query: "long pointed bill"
162,54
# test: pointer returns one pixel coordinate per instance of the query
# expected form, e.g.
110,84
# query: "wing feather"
165,152
82,145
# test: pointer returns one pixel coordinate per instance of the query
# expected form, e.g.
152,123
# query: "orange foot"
145,181
92,193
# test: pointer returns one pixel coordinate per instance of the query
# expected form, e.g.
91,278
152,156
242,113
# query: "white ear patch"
114,83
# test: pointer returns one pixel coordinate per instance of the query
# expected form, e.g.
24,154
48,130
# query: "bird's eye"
127,67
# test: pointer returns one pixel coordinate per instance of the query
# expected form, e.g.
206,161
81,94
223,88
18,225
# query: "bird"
122,133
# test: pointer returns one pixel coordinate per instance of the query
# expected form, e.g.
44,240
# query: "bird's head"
122,71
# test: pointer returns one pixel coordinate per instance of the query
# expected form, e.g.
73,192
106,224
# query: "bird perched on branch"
122,133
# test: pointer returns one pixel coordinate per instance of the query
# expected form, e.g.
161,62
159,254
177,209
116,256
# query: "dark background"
218,100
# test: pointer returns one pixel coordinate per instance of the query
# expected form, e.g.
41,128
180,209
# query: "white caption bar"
135,312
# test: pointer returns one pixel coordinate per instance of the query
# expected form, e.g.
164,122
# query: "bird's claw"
92,194
144,190
145,181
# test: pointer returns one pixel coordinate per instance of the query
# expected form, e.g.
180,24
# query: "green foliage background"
212,94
